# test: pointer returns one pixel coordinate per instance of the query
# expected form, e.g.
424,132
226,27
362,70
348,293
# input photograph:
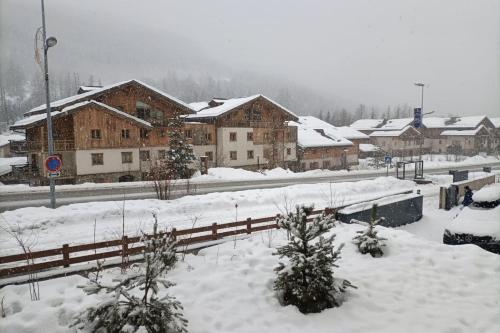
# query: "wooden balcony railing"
18,147
59,145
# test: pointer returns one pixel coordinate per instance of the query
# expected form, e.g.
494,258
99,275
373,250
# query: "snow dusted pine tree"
123,311
368,241
180,154
307,281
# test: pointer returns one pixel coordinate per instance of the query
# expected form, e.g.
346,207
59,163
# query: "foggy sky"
352,51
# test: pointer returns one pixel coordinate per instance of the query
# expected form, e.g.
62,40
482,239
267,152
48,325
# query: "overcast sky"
366,51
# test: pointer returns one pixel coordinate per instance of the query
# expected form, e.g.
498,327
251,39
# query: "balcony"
59,145
18,147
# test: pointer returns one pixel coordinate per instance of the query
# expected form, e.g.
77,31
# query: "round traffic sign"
53,163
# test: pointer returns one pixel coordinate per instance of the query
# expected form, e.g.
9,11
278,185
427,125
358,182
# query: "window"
144,133
250,154
188,134
208,137
313,165
95,134
233,155
126,157
97,159
266,136
209,155
289,151
326,164
125,134
161,154
303,166
249,136
144,155
143,110
232,136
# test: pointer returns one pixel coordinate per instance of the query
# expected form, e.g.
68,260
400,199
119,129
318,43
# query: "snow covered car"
488,196
477,226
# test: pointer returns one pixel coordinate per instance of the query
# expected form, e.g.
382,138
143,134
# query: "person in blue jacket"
467,196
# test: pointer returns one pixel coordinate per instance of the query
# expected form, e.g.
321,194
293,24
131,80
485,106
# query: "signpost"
387,161
417,117
53,165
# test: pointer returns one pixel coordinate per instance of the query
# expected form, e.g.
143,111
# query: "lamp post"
48,43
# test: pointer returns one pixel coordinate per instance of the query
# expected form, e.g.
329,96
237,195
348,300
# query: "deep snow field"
420,285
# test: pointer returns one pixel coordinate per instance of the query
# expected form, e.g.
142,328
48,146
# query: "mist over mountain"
310,56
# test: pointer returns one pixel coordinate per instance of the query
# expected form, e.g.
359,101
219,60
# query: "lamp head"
51,41
419,84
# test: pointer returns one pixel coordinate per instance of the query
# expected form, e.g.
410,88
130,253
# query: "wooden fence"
25,263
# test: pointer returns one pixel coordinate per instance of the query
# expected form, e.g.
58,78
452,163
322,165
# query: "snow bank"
418,286
488,193
74,223
7,162
479,222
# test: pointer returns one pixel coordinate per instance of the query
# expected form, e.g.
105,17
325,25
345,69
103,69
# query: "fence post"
277,218
65,253
173,234
328,211
249,226
124,252
214,231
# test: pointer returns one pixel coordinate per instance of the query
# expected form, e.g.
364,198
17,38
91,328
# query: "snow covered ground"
418,286
421,285
74,223
232,174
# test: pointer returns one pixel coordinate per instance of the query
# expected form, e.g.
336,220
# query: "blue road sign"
417,117
387,159
53,163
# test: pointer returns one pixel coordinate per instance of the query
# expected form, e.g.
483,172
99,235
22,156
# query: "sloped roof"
368,147
393,133
496,122
351,133
6,137
456,122
463,132
328,129
56,105
396,124
197,106
309,135
230,104
32,120
366,124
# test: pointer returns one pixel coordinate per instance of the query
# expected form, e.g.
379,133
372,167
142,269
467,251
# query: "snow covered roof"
463,132
452,122
197,106
93,93
230,104
393,133
351,133
6,163
328,129
84,89
496,122
368,147
396,124
366,124
309,135
8,136
29,121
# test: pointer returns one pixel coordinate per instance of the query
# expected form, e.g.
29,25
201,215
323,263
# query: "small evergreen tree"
180,154
123,311
307,281
368,241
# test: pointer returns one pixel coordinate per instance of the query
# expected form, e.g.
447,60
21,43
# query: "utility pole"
47,43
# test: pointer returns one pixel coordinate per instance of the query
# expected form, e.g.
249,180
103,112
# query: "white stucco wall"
112,159
241,146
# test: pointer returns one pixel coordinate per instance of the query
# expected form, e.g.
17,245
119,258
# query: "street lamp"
48,43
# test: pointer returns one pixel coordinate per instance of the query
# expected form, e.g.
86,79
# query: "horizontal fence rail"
128,246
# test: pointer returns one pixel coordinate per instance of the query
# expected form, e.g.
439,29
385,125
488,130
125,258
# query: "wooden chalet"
107,134
250,132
